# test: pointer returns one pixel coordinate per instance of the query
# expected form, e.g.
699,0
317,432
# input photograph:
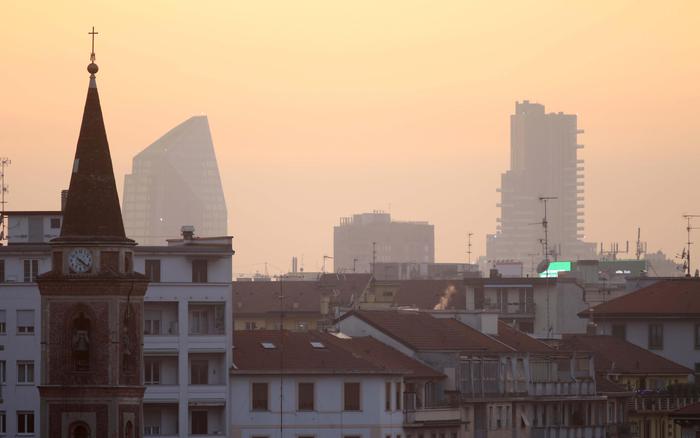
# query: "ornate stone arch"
79,429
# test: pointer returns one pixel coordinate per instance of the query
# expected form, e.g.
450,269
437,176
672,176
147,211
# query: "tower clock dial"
80,260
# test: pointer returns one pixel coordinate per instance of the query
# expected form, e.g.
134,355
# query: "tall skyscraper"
175,182
363,238
543,163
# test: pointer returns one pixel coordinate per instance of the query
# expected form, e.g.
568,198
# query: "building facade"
544,162
367,238
175,181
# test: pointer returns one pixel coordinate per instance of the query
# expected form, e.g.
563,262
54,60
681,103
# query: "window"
398,396
619,331
199,372
3,422
260,397
251,325
2,271
151,323
55,223
207,319
697,334
31,269
306,396
199,423
25,322
387,396
351,396
25,422
25,371
656,336
3,324
153,270
3,372
199,271
151,373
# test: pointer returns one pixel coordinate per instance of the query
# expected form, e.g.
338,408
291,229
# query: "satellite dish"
542,266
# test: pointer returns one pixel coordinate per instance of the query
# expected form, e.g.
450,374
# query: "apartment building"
187,330
313,384
663,317
500,381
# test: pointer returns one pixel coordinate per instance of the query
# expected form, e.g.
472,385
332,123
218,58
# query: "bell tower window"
81,343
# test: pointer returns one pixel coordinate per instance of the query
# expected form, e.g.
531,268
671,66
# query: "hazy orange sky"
321,109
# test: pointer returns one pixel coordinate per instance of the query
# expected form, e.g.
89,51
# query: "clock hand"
83,262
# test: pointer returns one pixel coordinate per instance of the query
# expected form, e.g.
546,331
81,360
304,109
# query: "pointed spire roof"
92,210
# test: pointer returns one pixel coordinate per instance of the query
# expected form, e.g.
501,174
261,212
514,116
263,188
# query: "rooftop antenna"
4,162
641,246
325,257
545,225
374,256
469,248
689,227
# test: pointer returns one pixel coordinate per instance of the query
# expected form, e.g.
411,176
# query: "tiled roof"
688,411
613,355
294,353
421,331
677,297
261,297
426,294
520,341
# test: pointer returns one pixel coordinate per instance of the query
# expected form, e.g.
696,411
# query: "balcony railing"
659,403
562,388
568,432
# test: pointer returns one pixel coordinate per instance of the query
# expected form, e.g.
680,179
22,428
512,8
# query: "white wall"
328,420
678,337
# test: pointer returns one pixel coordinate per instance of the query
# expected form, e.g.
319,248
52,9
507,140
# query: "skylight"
268,345
317,344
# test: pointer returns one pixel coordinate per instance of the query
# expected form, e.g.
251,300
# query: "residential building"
295,305
175,181
688,419
367,238
187,332
543,306
663,317
500,381
544,162
391,271
313,384
656,384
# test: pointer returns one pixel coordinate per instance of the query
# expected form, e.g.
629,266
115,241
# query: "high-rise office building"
543,163
175,182
365,238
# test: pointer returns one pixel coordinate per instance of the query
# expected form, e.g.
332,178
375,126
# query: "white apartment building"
187,323
315,385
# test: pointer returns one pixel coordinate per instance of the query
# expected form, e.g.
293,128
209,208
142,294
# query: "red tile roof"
421,331
520,341
613,355
688,411
294,353
426,294
263,297
676,297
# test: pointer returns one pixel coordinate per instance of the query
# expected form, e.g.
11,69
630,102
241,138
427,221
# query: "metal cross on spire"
93,33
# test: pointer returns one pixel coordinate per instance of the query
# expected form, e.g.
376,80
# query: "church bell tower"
92,302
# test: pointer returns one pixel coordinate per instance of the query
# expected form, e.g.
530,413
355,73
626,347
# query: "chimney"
187,232
64,197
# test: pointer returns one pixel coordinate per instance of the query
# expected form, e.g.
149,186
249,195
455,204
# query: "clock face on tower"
80,260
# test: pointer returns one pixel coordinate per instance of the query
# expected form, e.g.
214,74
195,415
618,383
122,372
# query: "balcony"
561,388
207,421
441,412
569,432
658,403
160,420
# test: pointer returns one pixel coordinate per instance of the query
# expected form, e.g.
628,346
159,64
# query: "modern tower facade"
544,162
174,182
365,238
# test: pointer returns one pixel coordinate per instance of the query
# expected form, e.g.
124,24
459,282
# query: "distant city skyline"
318,112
